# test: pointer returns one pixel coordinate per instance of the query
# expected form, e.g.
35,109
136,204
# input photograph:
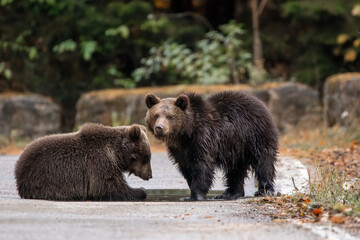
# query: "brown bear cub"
231,130
85,165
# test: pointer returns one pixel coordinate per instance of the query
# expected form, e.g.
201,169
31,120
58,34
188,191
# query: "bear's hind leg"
234,183
265,175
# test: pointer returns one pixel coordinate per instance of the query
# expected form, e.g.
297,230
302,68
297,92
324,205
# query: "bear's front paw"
228,196
139,193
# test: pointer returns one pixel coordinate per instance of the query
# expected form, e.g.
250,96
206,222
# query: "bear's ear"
135,132
182,102
151,100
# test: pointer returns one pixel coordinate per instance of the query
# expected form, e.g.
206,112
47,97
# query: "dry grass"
320,138
326,147
336,191
11,149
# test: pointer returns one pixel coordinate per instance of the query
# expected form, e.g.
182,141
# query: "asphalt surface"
160,219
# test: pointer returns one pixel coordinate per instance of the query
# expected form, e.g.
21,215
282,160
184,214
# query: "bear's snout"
146,177
148,174
159,129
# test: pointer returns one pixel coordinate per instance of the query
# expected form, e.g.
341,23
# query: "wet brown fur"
85,165
231,130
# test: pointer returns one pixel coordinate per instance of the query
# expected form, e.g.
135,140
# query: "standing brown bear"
86,165
230,130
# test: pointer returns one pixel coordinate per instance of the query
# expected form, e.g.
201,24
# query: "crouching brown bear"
231,130
86,165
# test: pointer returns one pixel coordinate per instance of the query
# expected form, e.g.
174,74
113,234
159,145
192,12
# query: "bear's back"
243,118
234,103
47,147
50,163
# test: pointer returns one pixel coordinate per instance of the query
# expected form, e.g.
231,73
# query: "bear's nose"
158,129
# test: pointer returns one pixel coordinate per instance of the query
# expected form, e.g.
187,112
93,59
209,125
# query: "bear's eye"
156,116
169,117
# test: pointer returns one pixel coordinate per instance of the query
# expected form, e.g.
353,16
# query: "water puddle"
173,195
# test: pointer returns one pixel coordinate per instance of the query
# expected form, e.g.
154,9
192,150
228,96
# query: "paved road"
37,219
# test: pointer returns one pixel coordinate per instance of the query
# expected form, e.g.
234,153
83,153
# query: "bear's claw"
261,193
227,196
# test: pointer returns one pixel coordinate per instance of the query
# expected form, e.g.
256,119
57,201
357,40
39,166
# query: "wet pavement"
157,219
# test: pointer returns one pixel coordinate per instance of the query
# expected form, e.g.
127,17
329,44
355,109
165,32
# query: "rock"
28,115
342,99
294,104
290,104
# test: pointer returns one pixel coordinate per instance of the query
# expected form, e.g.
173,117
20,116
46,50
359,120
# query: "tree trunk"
257,45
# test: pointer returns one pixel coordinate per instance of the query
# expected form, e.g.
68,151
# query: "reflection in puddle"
173,195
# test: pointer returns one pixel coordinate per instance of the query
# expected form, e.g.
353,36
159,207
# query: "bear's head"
127,145
166,118
137,147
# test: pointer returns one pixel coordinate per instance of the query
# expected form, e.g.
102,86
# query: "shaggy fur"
86,165
231,130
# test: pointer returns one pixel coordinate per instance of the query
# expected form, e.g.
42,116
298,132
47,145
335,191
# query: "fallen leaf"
338,219
316,211
279,220
305,221
347,210
307,200
187,214
208,217
352,148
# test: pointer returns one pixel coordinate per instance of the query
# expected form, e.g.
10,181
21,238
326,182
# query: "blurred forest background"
65,48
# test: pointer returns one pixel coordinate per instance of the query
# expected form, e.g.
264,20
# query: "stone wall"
342,100
294,105
28,115
122,107
290,103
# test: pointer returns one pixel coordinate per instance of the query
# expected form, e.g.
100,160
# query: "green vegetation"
317,27
64,48
218,58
